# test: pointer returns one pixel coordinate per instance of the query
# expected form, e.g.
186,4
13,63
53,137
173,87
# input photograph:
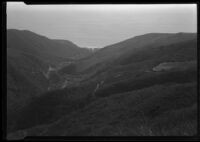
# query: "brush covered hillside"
31,59
131,46
42,46
143,86
73,51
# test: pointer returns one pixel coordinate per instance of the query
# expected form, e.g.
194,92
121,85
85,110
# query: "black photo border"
94,138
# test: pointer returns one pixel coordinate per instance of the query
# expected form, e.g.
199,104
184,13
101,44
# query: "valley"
143,86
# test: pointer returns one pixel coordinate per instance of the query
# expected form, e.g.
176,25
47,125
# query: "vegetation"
117,92
154,111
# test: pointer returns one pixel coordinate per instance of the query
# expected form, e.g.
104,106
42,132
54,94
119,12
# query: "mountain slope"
39,45
25,79
74,51
158,110
30,58
132,45
144,92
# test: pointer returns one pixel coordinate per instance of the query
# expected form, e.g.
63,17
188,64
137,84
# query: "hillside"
131,46
33,43
155,111
143,86
74,51
30,58
25,79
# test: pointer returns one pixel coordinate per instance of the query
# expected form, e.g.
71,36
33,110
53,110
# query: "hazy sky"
101,25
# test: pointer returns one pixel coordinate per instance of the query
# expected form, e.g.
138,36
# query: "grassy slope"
132,45
139,65
36,44
157,110
158,96
131,106
24,81
28,57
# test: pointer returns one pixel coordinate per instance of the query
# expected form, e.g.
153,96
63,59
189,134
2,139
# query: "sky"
96,26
